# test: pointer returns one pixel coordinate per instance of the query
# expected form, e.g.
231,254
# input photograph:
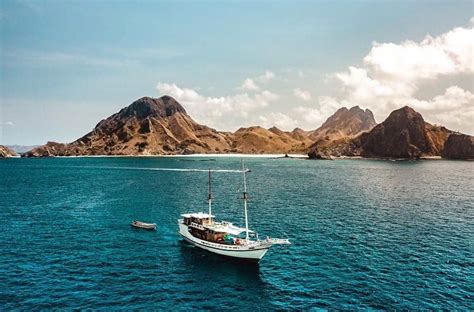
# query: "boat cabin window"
205,221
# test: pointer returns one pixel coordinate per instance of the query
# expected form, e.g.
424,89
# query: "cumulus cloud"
224,113
313,117
449,53
249,85
393,75
277,119
390,76
266,77
458,102
302,94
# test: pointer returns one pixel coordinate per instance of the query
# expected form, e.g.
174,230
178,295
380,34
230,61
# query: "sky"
66,65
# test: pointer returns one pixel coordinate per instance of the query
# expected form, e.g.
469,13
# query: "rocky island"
405,135
161,126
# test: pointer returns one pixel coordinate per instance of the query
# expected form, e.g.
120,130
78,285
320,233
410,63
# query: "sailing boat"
222,237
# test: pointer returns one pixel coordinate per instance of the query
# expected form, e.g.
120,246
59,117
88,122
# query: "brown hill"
146,127
344,123
258,140
404,134
338,130
161,126
300,134
6,152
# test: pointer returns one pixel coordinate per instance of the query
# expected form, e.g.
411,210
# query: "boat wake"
158,169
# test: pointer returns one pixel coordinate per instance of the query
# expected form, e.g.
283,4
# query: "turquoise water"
366,235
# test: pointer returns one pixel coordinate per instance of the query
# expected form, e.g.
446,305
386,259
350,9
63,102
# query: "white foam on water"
157,169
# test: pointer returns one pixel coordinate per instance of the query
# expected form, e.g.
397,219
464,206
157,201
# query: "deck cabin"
202,226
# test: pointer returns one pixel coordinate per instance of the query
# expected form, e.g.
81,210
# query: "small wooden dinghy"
143,225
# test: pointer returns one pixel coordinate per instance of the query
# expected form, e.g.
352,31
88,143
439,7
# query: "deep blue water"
366,235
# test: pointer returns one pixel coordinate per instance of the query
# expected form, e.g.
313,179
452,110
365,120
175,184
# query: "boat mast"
245,204
209,198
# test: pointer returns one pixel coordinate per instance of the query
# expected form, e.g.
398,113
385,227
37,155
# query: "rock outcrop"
344,123
332,137
148,126
258,140
459,146
161,126
6,152
404,134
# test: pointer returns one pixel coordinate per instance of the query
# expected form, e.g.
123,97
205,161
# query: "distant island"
161,126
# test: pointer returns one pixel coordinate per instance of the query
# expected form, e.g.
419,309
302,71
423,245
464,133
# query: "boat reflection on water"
227,279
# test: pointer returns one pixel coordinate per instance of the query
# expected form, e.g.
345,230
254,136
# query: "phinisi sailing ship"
222,237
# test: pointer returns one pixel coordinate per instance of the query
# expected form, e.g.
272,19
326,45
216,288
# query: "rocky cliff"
338,130
459,146
404,134
344,123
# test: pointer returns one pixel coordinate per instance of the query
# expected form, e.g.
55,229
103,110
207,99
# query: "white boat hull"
247,252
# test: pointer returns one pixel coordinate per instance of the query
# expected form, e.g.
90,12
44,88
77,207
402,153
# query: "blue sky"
65,65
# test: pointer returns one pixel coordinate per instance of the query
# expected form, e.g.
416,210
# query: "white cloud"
250,85
455,107
224,113
266,77
7,123
277,119
313,117
302,94
449,53
393,75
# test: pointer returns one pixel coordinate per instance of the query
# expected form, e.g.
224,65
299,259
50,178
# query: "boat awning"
198,215
226,228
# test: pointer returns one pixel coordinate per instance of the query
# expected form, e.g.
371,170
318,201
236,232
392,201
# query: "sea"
365,234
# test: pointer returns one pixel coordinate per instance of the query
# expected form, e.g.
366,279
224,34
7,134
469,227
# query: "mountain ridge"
161,126
403,134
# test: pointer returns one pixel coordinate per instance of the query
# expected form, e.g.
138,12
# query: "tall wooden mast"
245,198
209,198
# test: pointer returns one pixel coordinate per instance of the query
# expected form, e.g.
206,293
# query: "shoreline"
236,155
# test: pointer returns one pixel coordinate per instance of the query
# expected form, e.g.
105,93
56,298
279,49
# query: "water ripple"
367,235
